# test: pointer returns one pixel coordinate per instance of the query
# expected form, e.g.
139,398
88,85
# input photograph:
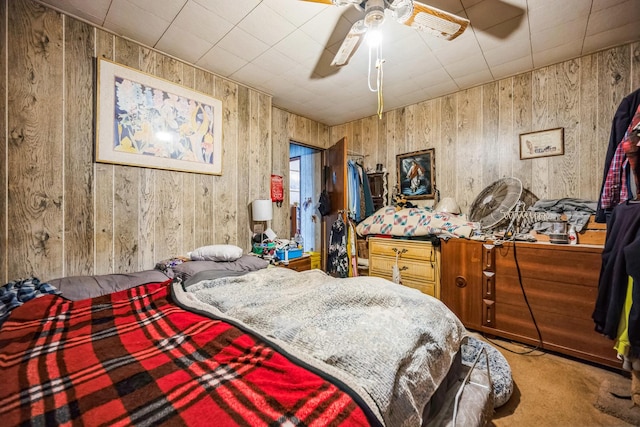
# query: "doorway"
305,164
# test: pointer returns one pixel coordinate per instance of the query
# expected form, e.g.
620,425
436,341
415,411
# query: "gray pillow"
77,288
211,275
244,263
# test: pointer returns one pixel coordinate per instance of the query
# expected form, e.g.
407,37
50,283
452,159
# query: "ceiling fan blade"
350,44
319,1
435,21
336,2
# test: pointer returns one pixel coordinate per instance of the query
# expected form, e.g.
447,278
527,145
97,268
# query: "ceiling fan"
408,12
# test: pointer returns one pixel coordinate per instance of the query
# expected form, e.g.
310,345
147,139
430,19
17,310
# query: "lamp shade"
262,210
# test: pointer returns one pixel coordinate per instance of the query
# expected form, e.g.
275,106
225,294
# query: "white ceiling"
283,47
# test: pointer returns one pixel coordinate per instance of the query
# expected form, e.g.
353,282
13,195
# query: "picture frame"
542,143
416,174
146,121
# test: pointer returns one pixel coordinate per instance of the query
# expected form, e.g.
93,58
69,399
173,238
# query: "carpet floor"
553,390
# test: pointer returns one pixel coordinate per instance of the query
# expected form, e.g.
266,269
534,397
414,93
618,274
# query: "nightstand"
298,264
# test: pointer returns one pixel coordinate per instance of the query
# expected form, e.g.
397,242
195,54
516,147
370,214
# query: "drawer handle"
403,268
461,282
399,252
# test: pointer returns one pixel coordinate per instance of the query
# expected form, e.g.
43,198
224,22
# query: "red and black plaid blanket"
135,358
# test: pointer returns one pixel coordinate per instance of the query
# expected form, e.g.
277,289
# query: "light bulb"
374,37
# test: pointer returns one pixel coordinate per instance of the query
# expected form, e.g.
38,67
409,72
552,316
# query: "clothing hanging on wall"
623,231
353,187
621,120
368,198
338,260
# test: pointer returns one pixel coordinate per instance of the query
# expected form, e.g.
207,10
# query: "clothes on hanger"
338,261
623,231
620,123
359,198
368,198
353,190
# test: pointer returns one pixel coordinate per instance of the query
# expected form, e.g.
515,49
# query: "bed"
202,343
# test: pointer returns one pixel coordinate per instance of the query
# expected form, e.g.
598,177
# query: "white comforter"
391,344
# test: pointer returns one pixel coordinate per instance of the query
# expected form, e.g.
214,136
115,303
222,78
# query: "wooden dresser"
480,284
418,261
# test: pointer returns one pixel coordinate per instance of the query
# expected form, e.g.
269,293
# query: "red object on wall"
277,189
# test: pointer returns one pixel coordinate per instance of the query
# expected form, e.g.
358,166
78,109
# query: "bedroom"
64,215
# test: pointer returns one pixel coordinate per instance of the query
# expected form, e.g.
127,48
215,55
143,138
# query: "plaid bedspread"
135,358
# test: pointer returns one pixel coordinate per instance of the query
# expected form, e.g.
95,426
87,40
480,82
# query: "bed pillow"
77,288
244,263
211,275
216,253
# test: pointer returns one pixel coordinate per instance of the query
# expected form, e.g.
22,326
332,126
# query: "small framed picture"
417,174
542,143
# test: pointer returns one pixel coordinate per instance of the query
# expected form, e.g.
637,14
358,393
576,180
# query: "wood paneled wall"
288,127
62,214
475,132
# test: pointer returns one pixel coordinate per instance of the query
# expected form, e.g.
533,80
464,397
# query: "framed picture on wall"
417,174
146,121
542,143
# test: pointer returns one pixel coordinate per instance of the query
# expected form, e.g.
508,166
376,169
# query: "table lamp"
262,210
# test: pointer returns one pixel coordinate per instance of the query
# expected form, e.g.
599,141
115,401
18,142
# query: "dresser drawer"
408,249
423,270
428,288
418,262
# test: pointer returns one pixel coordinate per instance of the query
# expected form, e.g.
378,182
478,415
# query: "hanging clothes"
620,123
353,190
368,198
623,231
352,250
338,260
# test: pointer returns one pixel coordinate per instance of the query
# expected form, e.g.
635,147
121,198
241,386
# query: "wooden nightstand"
298,264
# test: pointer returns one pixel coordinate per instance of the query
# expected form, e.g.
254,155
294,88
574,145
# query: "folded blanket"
17,292
415,222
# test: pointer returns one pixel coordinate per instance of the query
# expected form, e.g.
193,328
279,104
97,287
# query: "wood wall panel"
280,165
103,253
35,149
169,187
126,184
3,143
477,135
522,119
92,218
202,214
78,152
492,110
285,128
116,227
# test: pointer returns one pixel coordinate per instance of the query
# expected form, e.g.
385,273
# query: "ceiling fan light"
374,37
374,18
